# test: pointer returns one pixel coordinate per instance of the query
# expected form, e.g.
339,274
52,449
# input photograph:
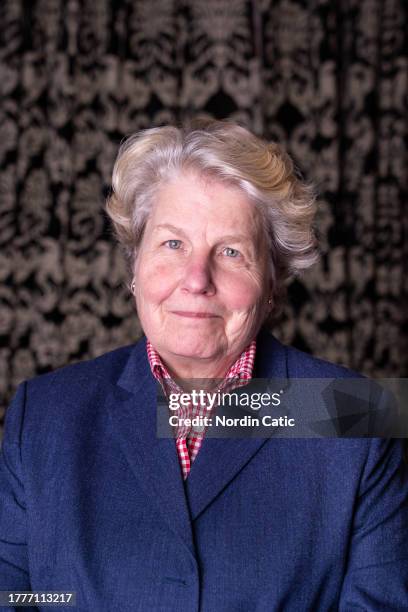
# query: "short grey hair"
226,152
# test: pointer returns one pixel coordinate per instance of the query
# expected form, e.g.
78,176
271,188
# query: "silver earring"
270,301
133,287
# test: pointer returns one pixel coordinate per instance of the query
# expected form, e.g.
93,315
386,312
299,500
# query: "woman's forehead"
195,200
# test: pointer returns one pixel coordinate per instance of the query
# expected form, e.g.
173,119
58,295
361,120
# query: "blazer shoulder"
85,377
304,365
76,390
279,359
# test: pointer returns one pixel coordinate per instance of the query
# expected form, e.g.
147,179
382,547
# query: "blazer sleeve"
14,573
377,571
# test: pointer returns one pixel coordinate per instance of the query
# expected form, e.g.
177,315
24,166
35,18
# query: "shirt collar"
240,370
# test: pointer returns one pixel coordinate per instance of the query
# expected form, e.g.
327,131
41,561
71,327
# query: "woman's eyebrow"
172,228
242,238
179,230
235,238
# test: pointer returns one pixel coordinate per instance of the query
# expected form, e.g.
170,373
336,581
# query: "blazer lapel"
132,404
133,407
219,461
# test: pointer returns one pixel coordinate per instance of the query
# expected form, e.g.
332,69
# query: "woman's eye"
229,252
173,244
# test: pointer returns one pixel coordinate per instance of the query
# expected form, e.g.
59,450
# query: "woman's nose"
197,277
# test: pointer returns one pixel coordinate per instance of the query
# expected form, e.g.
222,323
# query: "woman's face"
201,277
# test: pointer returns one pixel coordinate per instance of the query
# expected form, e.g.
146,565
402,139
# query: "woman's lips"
194,315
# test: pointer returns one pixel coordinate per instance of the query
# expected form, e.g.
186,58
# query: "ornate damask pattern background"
327,79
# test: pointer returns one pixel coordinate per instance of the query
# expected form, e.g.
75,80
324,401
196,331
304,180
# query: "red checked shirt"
189,438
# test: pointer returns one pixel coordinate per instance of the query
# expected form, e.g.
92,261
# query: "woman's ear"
270,295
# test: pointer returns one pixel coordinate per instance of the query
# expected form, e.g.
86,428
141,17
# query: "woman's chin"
203,348
197,352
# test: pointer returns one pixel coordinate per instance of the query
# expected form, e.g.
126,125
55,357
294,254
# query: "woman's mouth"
194,314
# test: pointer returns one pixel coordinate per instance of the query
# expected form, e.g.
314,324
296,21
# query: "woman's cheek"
241,293
157,280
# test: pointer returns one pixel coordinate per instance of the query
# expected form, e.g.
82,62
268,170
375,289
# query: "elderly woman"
213,221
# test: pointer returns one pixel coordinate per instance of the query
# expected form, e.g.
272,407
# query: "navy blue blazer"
92,501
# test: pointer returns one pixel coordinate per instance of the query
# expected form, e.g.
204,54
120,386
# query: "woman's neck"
188,373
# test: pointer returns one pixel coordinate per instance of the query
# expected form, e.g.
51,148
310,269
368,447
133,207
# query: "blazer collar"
153,460
133,405
220,460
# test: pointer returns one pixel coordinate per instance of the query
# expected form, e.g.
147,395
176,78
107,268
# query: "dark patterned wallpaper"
326,79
